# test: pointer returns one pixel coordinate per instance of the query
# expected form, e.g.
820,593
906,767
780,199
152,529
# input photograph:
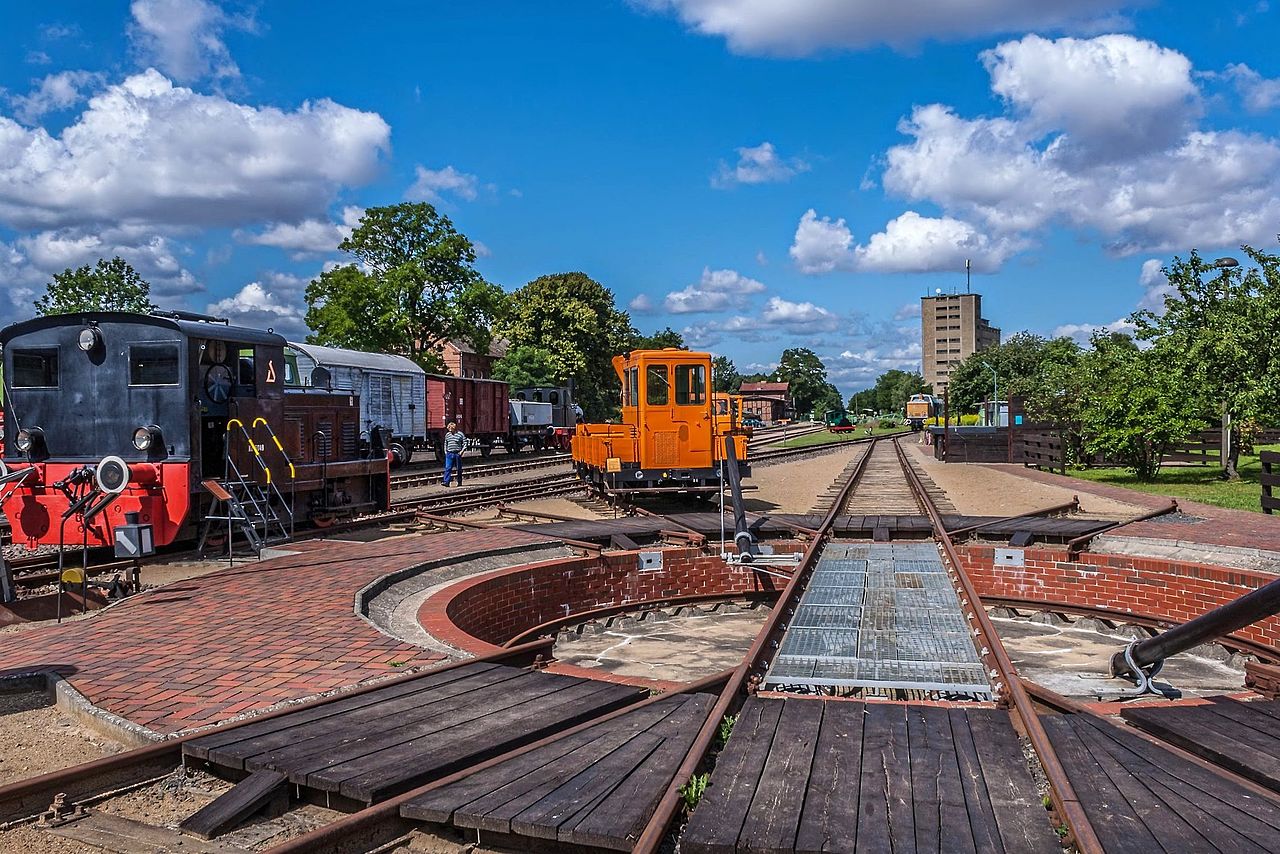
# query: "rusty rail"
1011,688
656,830
1073,504
1078,544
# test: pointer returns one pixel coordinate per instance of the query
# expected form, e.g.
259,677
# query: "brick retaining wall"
487,610
1174,591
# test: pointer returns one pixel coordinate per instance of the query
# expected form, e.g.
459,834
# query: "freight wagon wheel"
486,450
324,521
399,454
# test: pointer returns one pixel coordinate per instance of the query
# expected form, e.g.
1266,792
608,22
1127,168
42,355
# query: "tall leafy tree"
412,285
807,376
1137,409
1218,333
1019,363
727,378
525,365
573,318
107,286
659,340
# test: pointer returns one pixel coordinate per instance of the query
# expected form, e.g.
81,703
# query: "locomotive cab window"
691,385
553,398
153,364
247,374
656,385
35,368
631,396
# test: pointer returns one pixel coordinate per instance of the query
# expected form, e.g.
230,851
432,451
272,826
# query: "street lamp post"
995,392
1228,470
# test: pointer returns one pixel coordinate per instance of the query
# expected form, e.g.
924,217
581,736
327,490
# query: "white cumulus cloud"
1111,94
184,38
911,243
822,245
1259,93
310,236
798,316
145,150
758,165
803,27
717,290
1051,161
258,306
59,91
431,185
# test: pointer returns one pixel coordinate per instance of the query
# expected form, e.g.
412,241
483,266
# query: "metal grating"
880,616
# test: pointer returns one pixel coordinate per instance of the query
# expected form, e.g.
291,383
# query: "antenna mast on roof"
968,278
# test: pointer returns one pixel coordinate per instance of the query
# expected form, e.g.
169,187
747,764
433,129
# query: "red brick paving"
1222,527
204,650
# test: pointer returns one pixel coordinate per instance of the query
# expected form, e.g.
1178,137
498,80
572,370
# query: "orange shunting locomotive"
669,438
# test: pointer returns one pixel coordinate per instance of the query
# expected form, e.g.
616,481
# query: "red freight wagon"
480,407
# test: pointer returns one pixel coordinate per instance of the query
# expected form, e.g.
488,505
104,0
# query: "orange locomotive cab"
669,439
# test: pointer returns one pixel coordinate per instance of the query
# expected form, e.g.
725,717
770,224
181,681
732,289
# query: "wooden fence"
1270,478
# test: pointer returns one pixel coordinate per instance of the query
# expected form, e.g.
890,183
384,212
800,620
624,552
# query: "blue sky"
757,174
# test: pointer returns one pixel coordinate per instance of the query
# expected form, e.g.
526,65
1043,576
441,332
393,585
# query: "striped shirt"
454,442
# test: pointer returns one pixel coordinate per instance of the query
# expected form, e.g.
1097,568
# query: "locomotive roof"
330,357
189,328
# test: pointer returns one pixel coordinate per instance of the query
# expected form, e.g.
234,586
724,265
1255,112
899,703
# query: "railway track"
472,498
432,475
611,766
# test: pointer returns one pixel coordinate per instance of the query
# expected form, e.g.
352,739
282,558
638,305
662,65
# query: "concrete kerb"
1235,557
78,708
399,619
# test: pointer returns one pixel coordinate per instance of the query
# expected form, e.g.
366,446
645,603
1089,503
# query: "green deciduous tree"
107,286
524,366
727,378
1218,334
807,376
1137,409
413,284
1020,364
667,337
573,318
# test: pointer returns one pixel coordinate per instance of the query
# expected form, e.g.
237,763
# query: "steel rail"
1073,504
362,828
409,479
1011,689
24,798
1265,652
1078,544
651,839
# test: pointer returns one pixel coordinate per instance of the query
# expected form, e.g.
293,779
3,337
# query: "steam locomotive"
108,414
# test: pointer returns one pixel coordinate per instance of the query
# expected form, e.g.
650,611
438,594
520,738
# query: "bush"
887,424
969,420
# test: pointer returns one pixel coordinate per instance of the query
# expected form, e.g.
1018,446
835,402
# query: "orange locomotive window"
656,385
691,385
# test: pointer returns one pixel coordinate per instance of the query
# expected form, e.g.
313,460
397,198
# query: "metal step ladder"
246,506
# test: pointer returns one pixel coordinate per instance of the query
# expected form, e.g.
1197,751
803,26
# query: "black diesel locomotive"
112,413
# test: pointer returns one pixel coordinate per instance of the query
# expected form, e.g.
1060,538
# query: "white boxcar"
392,389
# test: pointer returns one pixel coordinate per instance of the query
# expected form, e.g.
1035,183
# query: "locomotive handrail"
293,472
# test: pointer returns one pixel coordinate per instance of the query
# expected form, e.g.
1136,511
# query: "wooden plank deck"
1143,798
378,744
806,775
595,788
1244,738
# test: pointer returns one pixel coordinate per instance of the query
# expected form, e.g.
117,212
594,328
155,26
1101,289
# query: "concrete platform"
238,641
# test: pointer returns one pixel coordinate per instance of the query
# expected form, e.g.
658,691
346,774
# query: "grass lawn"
1196,483
826,437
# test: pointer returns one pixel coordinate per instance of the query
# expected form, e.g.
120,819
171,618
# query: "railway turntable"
880,619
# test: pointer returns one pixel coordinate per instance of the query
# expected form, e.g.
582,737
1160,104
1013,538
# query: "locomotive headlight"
90,338
145,437
27,439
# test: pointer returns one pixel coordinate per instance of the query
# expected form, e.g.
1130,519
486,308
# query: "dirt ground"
793,486
982,491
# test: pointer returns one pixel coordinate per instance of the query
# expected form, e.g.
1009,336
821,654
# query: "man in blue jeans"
454,442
